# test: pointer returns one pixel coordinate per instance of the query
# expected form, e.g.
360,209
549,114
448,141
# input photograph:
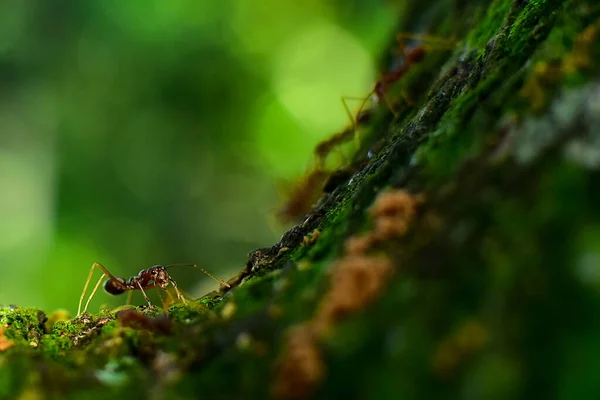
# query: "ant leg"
87,282
347,109
93,292
353,119
390,105
179,295
165,300
144,293
129,296
406,97
402,46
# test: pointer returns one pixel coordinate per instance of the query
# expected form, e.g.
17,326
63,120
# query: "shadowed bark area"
459,258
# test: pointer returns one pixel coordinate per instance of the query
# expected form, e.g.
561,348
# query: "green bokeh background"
136,133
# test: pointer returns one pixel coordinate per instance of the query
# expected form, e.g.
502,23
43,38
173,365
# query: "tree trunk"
457,256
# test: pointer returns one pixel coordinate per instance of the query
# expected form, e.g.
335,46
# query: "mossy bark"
495,290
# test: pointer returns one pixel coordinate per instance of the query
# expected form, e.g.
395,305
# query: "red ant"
411,57
156,276
302,196
305,192
325,147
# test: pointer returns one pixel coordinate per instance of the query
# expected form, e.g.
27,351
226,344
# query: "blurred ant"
303,195
319,180
306,192
325,147
156,276
410,57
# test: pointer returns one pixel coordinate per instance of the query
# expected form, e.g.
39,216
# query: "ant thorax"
153,276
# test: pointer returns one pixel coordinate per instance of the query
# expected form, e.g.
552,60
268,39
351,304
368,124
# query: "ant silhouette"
156,276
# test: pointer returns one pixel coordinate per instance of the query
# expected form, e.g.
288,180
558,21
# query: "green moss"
25,326
55,347
210,300
193,312
495,13
471,124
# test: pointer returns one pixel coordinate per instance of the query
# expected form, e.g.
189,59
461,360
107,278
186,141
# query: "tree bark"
457,256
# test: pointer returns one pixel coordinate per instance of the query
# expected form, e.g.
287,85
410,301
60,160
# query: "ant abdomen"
115,286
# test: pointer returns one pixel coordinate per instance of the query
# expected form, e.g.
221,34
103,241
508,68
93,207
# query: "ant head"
159,275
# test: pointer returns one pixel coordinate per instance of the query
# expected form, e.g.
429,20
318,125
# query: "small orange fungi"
357,279
395,203
388,227
355,282
358,245
301,367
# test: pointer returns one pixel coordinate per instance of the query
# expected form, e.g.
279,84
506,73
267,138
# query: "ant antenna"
222,282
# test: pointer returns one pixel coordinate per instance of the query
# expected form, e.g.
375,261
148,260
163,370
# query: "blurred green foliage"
136,133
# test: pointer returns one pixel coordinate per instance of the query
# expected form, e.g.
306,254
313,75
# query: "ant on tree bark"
307,191
410,57
156,276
